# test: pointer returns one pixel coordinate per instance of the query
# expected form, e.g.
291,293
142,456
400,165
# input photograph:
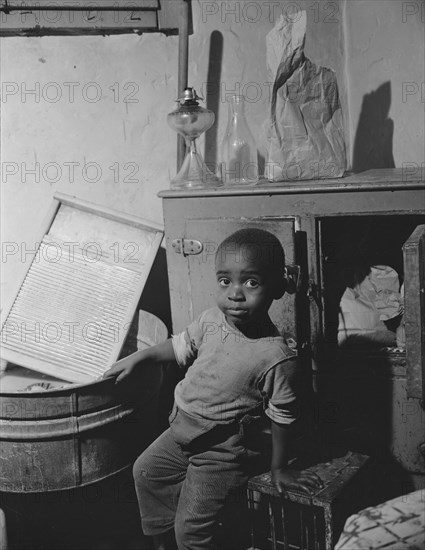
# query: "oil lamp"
190,120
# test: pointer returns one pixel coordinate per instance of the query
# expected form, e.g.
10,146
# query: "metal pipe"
183,69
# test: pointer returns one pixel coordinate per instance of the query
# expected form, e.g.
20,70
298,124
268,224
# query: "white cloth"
364,308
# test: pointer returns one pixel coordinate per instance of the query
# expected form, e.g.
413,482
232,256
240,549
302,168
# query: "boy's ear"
280,287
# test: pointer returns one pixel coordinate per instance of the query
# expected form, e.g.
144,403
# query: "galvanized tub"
69,437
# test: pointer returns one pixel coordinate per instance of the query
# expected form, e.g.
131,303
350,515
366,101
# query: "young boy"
238,366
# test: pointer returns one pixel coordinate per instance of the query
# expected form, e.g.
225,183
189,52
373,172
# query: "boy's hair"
260,245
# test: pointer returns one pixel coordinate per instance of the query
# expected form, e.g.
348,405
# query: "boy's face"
244,292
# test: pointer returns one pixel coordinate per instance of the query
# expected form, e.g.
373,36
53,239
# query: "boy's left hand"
284,479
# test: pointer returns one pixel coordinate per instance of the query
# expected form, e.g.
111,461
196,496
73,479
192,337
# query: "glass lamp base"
194,173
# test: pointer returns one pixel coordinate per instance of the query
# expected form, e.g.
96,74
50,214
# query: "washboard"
75,305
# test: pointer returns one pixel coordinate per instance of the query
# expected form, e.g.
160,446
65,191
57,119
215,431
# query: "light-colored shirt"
229,375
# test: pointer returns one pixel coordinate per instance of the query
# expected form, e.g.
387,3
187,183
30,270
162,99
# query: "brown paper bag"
306,138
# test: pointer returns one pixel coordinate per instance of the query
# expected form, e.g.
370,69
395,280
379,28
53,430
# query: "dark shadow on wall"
155,299
212,90
156,294
373,144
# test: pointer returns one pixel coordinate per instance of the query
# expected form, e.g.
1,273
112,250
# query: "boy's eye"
223,281
252,283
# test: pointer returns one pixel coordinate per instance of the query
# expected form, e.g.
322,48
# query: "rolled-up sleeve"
186,344
182,349
277,386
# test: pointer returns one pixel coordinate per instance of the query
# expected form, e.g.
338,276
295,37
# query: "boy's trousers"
188,486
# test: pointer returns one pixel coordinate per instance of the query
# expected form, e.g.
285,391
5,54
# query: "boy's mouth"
236,312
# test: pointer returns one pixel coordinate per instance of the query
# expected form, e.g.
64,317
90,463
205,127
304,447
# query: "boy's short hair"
260,244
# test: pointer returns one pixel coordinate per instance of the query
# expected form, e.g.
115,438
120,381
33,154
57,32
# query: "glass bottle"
239,163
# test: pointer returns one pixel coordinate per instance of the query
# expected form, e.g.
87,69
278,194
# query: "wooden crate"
297,520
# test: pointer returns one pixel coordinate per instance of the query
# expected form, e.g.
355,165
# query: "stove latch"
187,247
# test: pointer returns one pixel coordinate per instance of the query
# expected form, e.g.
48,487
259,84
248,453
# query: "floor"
103,516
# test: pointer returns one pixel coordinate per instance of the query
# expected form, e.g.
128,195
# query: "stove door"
414,317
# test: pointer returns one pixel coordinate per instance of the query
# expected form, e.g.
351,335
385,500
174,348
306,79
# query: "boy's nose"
236,294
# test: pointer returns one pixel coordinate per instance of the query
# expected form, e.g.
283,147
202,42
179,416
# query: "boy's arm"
161,353
283,477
